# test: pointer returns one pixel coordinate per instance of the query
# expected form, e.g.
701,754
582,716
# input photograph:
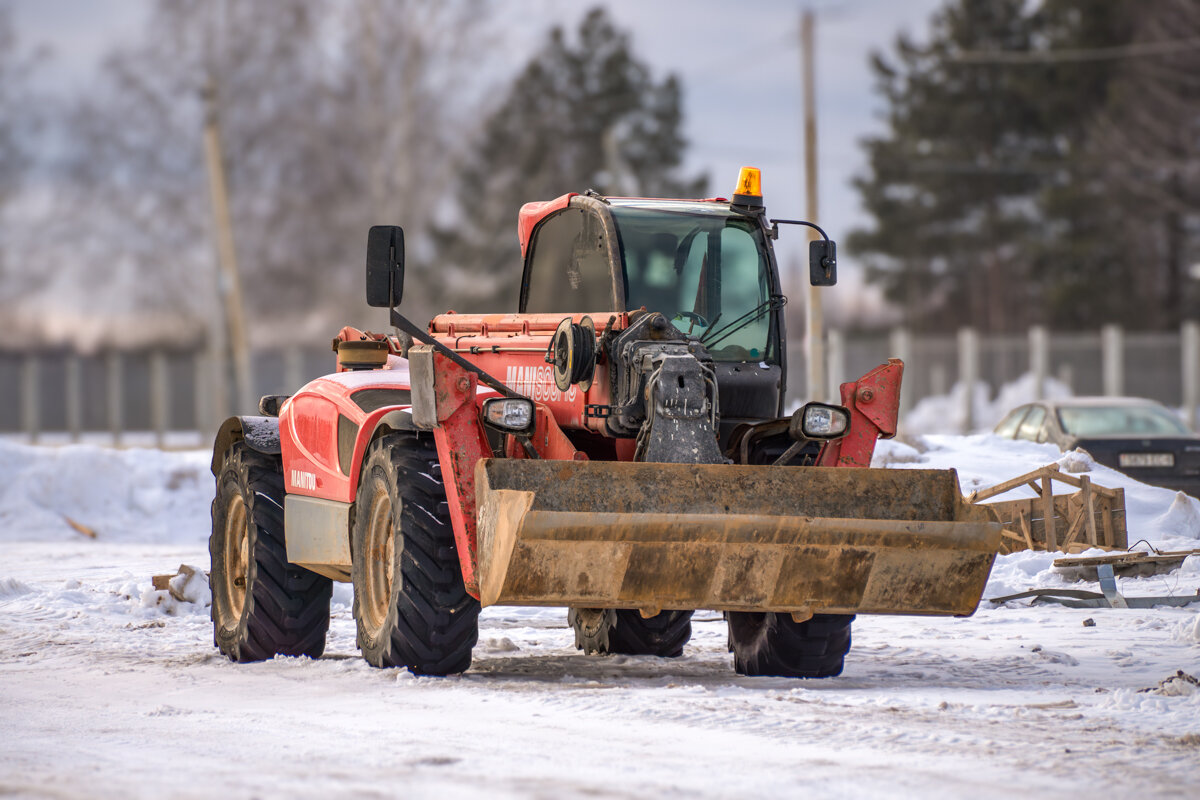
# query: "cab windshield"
702,267
1119,421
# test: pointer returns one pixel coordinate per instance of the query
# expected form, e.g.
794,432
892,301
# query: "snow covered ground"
109,688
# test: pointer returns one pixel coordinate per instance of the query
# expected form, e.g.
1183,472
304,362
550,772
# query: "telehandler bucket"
657,536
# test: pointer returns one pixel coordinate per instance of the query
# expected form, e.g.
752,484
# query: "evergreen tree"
583,114
1144,151
986,207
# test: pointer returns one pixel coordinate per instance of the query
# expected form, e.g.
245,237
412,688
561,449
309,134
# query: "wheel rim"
380,566
237,556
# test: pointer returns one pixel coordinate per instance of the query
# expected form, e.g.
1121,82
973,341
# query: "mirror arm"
775,223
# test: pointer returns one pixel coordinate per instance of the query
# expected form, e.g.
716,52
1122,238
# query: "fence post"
30,397
835,364
1066,376
900,343
968,373
293,369
116,397
939,382
1039,359
1112,352
201,386
159,396
74,398
1191,371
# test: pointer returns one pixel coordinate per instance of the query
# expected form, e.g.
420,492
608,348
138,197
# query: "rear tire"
774,644
624,631
410,605
262,606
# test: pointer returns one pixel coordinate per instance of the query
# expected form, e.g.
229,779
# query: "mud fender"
260,434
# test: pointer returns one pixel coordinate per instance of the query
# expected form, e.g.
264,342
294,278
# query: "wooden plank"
1070,480
1120,537
1001,488
1048,513
1089,510
1070,514
1023,521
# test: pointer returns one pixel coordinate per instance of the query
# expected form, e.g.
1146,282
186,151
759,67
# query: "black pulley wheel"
573,353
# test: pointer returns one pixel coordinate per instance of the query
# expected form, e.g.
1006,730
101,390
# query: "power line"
1137,50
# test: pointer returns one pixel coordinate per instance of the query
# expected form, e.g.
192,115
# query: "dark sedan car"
1139,437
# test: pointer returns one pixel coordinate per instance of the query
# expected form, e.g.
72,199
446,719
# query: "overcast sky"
739,63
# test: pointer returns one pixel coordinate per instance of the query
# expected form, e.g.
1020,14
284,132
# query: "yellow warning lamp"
749,188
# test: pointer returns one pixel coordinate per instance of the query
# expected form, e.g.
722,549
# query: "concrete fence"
1163,366
166,397
158,397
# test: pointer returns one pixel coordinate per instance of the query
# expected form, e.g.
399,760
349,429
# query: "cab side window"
1032,424
568,265
1008,426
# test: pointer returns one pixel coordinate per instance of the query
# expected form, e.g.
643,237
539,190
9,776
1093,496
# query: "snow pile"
1182,519
1188,630
134,496
945,413
11,587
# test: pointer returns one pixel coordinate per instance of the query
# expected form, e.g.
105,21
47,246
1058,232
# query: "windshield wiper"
714,336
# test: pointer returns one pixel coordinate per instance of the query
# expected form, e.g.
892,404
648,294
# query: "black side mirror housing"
385,266
822,262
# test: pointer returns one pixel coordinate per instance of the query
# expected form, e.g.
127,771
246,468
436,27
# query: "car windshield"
1119,421
705,269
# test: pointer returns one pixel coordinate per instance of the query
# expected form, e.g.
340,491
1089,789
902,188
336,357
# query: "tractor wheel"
774,644
625,631
262,606
410,604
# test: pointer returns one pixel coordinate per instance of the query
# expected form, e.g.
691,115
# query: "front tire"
262,606
775,644
626,632
410,605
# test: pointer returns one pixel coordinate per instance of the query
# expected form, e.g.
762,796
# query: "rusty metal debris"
1108,597
1131,564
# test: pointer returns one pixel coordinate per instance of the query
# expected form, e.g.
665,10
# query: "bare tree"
334,116
18,122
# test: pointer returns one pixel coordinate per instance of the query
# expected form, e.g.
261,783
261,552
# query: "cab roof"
533,213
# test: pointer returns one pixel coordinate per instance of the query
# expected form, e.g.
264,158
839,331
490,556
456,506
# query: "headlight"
819,421
508,414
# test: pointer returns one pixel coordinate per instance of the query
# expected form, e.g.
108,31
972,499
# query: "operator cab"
705,265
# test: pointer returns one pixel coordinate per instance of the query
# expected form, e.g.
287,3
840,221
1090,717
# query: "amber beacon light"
749,188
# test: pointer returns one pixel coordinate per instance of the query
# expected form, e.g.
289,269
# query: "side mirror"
385,266
822,262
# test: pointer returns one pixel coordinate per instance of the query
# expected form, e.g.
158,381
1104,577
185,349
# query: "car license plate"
1147,460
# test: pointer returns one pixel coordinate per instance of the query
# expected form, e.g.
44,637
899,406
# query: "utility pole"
229,286
814,341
